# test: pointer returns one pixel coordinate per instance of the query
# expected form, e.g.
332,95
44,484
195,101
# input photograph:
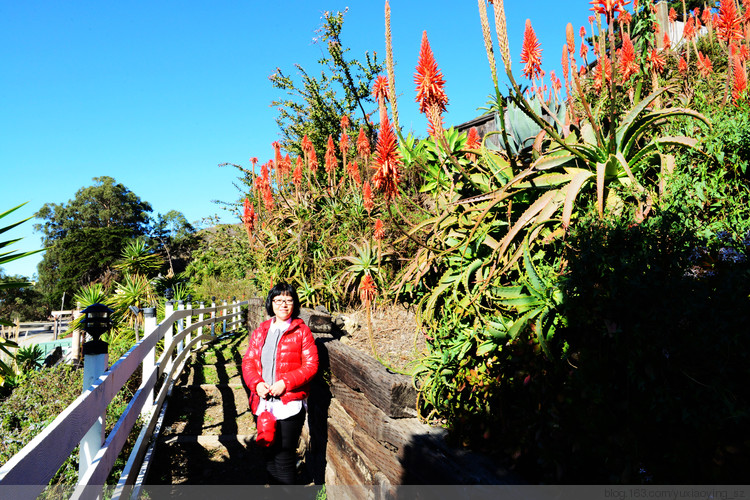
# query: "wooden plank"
391,392
341,452
383,458
391,433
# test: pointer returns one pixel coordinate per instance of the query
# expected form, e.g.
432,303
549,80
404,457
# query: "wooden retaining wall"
362,426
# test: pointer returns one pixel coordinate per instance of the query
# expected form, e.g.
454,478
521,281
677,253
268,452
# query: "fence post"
224,313
180,326
201,305
213,316
188,320
94,365
168,310
234,313
149,362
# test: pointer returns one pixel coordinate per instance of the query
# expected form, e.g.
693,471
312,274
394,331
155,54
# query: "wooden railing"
36,464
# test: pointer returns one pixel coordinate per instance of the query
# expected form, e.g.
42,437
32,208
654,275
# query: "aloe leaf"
508,292
643,125
628,119
572,193
521,322
536,281
525,218
553,160
523,303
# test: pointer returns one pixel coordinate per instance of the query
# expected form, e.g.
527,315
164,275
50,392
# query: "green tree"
174,237
86,236
19,298
314,108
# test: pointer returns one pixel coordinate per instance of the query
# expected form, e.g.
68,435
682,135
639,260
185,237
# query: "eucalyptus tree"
84,237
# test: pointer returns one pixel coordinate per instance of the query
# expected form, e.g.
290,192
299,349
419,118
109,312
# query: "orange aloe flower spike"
740,79
429,80
330,155
728,23
367,289
387,160
379,231
367,197
531,53
363,144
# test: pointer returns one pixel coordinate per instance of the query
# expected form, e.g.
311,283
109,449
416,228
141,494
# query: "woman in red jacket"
278,366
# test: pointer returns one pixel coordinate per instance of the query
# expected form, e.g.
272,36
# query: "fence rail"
36,464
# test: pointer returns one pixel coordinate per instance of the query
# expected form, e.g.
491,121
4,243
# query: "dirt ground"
398,342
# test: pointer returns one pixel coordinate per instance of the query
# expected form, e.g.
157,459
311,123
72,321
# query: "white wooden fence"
28,472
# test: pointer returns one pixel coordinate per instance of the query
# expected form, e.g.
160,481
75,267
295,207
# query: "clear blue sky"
156,94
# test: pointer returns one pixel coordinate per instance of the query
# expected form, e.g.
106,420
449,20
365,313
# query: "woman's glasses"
286,302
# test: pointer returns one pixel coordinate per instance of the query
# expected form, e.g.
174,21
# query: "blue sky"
156,94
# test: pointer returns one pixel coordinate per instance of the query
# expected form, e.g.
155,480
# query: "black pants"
281,456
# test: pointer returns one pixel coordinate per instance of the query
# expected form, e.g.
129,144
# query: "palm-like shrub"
138,259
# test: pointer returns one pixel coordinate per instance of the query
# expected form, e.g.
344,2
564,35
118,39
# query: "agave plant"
29,358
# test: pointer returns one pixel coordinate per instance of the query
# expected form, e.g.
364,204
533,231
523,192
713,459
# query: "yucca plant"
138,259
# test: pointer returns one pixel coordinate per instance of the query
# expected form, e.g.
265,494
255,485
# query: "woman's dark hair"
282,288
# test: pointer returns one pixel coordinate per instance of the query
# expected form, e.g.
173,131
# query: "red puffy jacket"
296,361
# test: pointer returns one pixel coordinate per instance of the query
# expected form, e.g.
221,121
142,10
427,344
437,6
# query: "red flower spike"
672,15
344,122
313,160
666,42
739,85
380,88
379,231
570,38
387,160
363,144
248,216
705,67
625,18
367,289
682,66
609,7
286,165
331,161
628,64
268,198
473,140
583,32
565,62
276,154
657,60
353,170
429,80
297,174
367,197
344,143
688,32
306,144
584,50
531,53
706,16
728,23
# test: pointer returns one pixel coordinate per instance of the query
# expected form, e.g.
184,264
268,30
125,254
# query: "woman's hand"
277,389
262,389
